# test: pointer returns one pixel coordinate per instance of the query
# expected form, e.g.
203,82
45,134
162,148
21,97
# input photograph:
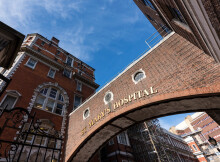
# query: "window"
51,73
111,142
195,148
149,4
42,43
8,102
39,50
108,97
69,61
138,76
79,86
50,99
58,52
122,138
86,113
77,101
176,14
67,73
30,38
31,63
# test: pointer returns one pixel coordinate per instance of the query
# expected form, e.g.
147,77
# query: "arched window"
50,99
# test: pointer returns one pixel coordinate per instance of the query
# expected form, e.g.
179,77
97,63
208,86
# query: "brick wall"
175,68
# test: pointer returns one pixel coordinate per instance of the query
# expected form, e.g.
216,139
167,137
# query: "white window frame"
138,71
29,65
47,97
84,117
70,73
126,137
79,83
10,94
53,74
70,58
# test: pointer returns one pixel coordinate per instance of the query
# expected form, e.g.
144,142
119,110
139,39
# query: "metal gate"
24,139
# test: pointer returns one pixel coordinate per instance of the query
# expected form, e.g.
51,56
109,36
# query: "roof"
183,125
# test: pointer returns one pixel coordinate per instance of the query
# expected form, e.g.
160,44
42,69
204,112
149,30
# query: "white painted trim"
48,52
10,94
53,73
126,138
202,22
71,62
126,69
70,77
26,64
112,97
133,75
84,113
42,61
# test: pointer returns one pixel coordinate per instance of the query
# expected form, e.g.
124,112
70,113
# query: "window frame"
30,58
9,94
80,87
71,61
42,43
55,100
53,73
126,138
74,108
69,71
138,71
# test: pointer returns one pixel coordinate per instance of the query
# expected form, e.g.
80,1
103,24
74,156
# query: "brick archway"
179,78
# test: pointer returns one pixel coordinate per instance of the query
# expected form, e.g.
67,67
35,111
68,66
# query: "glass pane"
44,91
39,102
60,98
138,76
59,109
49,106
51,73
77,101
79,86
69,61
31,62
53,93
8,102
66,73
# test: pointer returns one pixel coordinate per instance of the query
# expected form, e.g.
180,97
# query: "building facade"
198,128
197,21
145,142
48,81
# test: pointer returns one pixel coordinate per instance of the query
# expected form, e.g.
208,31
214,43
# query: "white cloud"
75,41
23,13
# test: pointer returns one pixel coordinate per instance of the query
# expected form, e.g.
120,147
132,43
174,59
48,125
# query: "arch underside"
122,122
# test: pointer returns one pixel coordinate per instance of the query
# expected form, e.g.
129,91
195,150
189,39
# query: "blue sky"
106,34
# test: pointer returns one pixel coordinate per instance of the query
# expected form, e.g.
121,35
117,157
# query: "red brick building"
142,143
197,128
196,21
47,80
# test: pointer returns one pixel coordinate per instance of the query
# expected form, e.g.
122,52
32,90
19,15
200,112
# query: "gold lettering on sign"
126,100
134,96
83,131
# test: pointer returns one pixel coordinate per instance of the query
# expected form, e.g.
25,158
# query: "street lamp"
213,142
